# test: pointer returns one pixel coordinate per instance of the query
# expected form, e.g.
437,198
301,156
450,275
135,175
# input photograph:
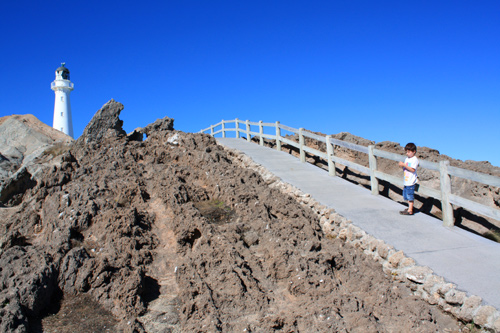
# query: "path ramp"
465,259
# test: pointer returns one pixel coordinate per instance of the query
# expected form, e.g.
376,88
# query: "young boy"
409,166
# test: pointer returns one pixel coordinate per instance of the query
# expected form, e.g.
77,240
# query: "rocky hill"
25,145
169,234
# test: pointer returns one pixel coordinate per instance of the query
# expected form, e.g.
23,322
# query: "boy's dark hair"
411,147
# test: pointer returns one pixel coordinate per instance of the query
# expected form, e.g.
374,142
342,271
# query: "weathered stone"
433,298
27,147
105,122
383,250
455,297
327,229
356,243
407,262
343,234
11,192
432,282
373,244
444,288
365,241
33,278
387,268
483,315
160,125
136,135
496,324
396,258
469,307
418,274
448,307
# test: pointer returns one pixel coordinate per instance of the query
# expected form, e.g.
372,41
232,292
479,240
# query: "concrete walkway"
469,261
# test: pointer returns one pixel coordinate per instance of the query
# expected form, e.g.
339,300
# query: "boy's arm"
404,166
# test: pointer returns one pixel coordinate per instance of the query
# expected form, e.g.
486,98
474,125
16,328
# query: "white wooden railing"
445,169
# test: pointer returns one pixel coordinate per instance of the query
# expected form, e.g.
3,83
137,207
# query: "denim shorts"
409,193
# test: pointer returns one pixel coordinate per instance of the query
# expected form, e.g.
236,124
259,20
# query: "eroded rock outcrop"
170,234
27,147
105,123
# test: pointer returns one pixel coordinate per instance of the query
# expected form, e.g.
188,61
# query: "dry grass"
57,149
78,313
215,211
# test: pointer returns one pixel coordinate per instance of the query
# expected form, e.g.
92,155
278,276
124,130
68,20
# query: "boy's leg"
405,198
408,195
411,198
410,207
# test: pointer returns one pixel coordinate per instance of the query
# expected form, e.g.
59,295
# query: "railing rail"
445,169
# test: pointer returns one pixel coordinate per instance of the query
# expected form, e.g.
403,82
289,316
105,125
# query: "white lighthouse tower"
62,86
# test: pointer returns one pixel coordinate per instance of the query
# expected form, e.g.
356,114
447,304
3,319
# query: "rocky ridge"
175,234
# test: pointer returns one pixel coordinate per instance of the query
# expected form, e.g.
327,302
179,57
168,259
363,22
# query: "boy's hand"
401,164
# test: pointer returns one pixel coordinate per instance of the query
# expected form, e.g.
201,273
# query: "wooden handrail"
445,170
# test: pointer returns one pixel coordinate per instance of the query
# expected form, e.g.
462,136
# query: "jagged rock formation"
168,234
105,123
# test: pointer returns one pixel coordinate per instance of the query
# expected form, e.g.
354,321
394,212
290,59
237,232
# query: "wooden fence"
445,169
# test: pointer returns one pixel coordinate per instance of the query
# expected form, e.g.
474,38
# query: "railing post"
446,207
237,127
247,123
330,153
301,146
261,132
373,167
212,130
223,129
278,136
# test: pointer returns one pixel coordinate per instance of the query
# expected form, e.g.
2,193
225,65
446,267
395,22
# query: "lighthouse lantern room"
62,87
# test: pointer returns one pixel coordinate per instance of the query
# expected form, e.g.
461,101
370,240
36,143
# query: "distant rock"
164,124
24,145
24,138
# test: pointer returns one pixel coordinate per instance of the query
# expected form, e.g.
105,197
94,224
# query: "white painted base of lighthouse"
62,87
62,113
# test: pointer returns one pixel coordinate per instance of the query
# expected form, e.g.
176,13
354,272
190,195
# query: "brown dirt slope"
169,235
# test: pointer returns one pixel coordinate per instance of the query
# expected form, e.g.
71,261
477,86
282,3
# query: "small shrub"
215,211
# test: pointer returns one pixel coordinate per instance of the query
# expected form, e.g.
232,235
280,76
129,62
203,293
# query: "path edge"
432,288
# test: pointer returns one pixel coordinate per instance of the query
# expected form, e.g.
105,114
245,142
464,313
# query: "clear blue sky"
421,71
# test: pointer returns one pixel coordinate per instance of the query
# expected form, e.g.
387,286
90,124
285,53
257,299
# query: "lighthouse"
62,87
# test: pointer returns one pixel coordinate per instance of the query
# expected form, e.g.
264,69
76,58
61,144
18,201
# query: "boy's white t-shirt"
411,177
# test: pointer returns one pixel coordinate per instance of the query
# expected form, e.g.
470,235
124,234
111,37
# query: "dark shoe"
406,212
